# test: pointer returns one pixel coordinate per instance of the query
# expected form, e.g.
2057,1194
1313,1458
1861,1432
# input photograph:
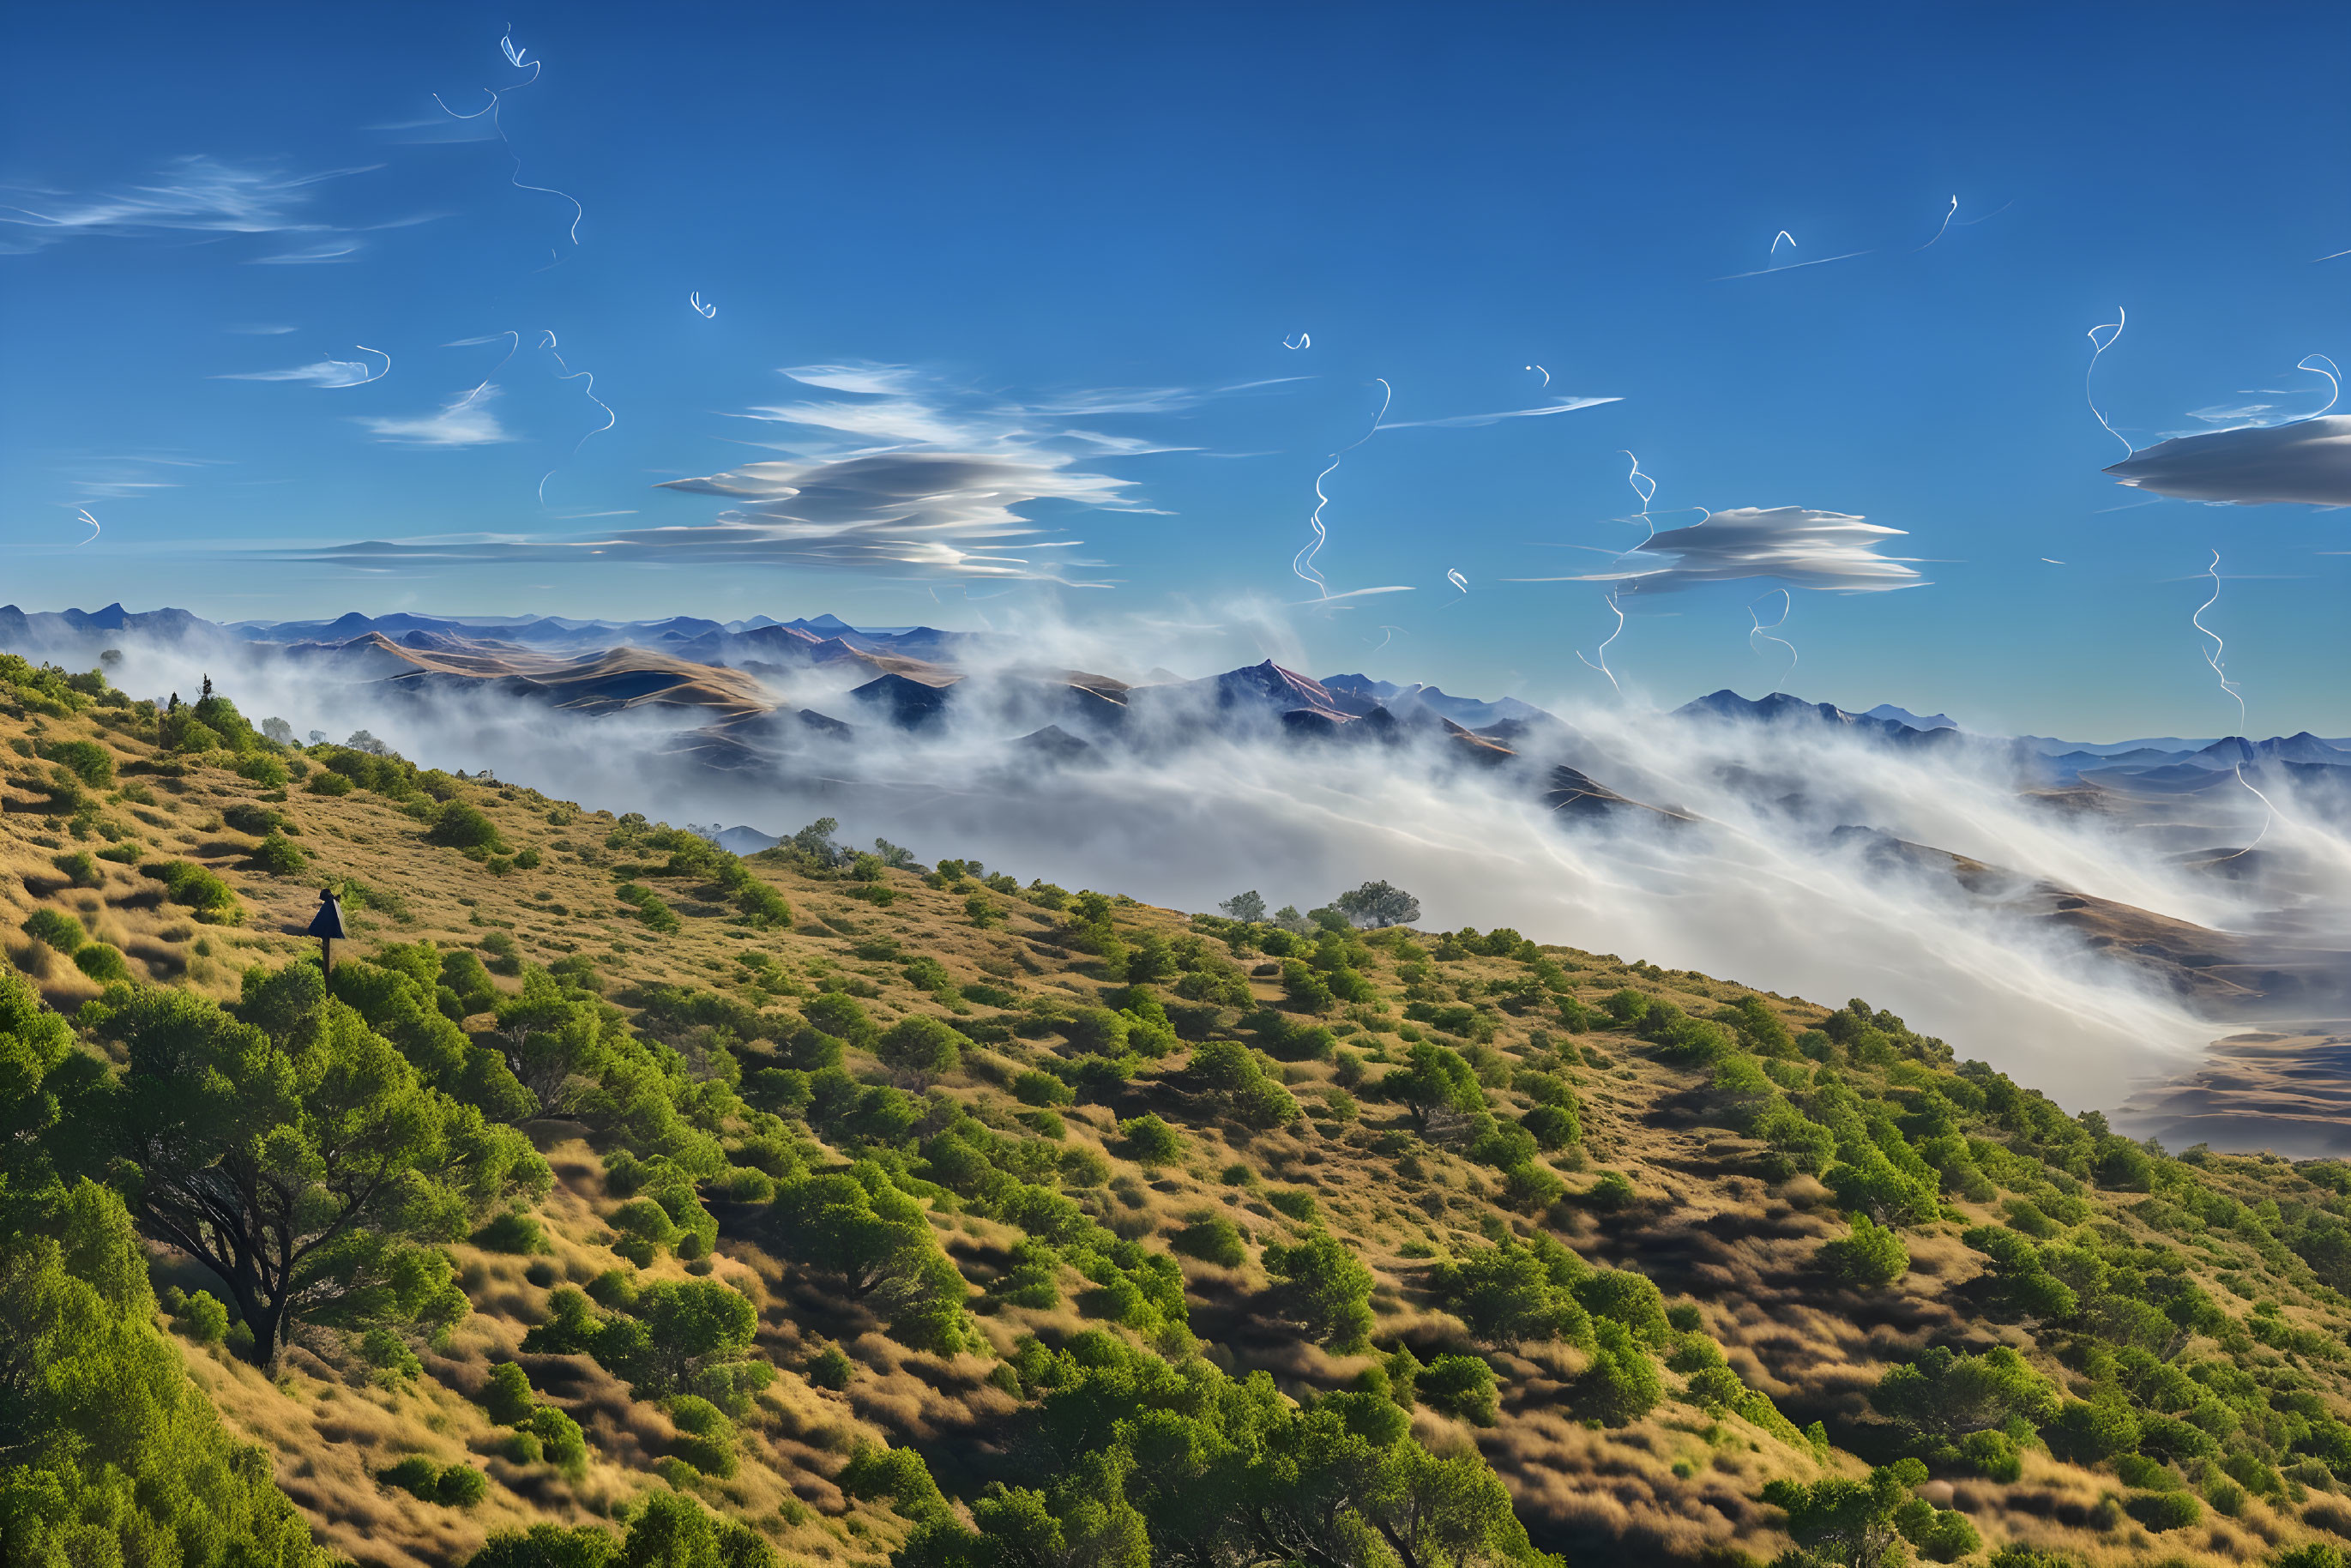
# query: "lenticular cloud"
1793,545
951,512
2307,462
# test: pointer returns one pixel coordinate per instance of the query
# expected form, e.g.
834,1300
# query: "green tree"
1246,907
296,1154
920,1047
1437,1087
1943,1395
109,1453
1847,1522
1376,905
1324,1288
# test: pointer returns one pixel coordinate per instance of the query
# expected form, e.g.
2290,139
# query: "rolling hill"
825,1206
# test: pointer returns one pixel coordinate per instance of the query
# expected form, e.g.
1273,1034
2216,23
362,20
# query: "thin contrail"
1546,374
1456,579
1305,340
1787,608
707,312
568,374
83,513
2097,348
1302,563
1637,479
2333,372
367,374
498,97
514,346
2213,656
1602,650
1946,229
1782,234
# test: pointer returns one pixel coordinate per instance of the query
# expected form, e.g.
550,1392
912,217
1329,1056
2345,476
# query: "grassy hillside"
898,1210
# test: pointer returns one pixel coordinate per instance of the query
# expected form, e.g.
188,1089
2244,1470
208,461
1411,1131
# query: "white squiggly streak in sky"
2333,373
1602,650
2096,348
2214,656
1302,563
83,513
514,346
1782,234
1456,579
1546,374
1945,227
1305,340
707,312
497,98
568,374
367,374
1787,608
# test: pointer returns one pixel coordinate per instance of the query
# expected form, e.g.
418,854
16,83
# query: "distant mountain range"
766,700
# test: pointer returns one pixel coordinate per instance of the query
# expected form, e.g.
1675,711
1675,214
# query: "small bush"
102,963
415,1475
389,1354
1459,1386
78,869
191,885
1150,1141
461,1486
1213,1238
518,1232
2165,1511
85,759
58,929
830,1368
203,1319
1031,1087
1870,1259
277,855
462,827
561,1441
507,1394
705,1437
328,784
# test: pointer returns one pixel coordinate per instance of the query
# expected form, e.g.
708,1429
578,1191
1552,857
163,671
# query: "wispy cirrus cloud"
1795,545
195,194
327,373
469,421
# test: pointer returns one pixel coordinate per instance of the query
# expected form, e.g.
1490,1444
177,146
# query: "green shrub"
191,885
389,1354
462,827
1150,1141
1870,1258
415,1475
507,1394
1031,1087
102,963
1459,1386
561,1441
324,782
1213,1238
277,855
2165,1511
85,759
830,1368
705,1437
461,1486
78,869
56,927
202,1318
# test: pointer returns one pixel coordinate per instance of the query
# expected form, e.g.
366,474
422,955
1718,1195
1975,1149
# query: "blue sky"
1059,238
